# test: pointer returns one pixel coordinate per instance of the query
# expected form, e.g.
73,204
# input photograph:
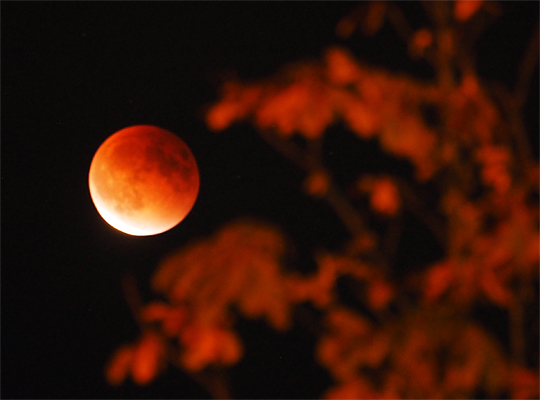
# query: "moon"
143,180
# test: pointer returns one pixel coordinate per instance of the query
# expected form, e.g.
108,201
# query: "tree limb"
310,163
526,69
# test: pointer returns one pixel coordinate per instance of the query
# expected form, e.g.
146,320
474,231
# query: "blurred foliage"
411,338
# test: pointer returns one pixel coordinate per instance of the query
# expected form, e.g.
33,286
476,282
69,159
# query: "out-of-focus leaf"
171,318
494,173
117,369
385,197
222,115
476,361
317,288
147,358
357,388
341,68
281,109
524,383
317,184
238,101
409,137
360,117
375,17
439,277
495,289
204,345
155,311
239,266
345,346
422,39
465,9
380,293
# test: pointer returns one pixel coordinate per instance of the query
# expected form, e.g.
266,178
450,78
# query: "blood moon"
143,180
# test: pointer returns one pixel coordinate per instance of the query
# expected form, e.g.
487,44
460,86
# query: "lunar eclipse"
143,180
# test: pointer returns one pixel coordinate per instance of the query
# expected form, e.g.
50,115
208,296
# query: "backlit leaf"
465,9
118,367
147,358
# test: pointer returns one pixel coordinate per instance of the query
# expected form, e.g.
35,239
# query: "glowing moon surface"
143,180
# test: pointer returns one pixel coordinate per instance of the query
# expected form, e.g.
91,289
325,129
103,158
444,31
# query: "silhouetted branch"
397,19
133,298
309,163
516,128
212,379
392,239
526,69
287,149
416,206
344,210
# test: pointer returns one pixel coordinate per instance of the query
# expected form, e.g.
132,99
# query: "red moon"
143,180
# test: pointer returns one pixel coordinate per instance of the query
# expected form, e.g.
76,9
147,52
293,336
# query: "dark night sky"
73,73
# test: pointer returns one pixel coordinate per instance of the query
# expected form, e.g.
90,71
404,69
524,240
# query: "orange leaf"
209,345
355,389
118,367
374,18
147,358
494,289
313,120
345,27
230,348
377,350
422,39
470,86
361,120
200,348
385,197
341,67
281,109
348,323
380,294
525,383
221,115
155,311
317,184
174,321
532,252
465,9
438,280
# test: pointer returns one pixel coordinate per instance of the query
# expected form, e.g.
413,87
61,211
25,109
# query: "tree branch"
397,19
287,149
415,205
133,298
516,128
212,379
310,163
349,216
526,69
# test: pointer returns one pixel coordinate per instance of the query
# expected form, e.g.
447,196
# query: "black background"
75,73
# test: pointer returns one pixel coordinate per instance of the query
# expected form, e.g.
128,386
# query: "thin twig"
310,163
417,207
399,22
517,333
212,379
344,210
287,149
392,239
444,36
133,298
526,69
397,19
516,127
